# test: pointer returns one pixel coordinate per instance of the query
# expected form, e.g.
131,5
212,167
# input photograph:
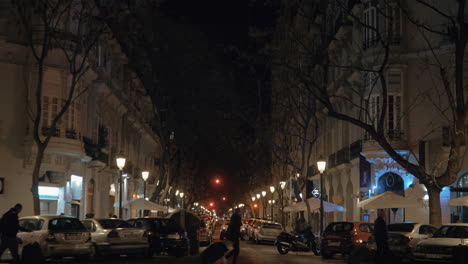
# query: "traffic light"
255,205
224,198
211,204
217,181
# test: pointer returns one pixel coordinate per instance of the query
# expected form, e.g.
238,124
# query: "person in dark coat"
9,226
380,234
233,234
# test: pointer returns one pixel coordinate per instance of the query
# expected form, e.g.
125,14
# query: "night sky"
208,71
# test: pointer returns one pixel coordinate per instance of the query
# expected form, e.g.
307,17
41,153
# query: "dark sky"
223,24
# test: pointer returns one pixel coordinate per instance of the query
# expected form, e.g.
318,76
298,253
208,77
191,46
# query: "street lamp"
120,160
253,198
282,185
144,175
321,165
272,189
258,196
181,194
177,193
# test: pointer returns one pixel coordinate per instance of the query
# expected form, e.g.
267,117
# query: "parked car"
115,237
398,245
415,232
267,232
164,236
443,244
343,237
54,237
251,230
205,236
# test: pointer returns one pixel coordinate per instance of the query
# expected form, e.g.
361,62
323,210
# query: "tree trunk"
435,211
35,178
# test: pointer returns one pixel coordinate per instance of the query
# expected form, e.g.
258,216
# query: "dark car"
164,236
343,237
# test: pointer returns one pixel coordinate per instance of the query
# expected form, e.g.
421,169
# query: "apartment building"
110,114
415,123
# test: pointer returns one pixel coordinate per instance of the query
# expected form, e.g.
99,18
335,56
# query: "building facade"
110,114
415,124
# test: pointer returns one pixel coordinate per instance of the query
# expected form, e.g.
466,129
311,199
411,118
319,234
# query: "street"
250,254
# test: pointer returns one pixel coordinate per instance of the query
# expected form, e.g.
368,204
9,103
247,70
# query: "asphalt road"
250,254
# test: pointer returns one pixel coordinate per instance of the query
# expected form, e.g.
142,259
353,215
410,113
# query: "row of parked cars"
407,241
60,236
259,230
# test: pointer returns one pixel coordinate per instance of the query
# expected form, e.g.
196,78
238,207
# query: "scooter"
286,242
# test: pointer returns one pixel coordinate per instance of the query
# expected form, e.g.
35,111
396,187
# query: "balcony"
63,141
95,151
396,138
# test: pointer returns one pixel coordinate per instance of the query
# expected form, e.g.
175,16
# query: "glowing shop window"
46,192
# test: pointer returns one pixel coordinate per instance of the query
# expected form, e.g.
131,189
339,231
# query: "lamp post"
272,190
182,198
282,200
120,160
144,175
264,202
321,165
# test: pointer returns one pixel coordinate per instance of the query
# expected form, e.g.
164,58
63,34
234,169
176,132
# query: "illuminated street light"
144,175
176,192
120,160
263,193
181,195
258,196
253,198
282,185
272,189
321,165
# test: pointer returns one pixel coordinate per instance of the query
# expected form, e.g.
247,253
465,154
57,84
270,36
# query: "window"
365,228
31,224
371,21
393,23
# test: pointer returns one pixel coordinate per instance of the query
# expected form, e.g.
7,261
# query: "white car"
267,232
415,232
116,236
54,237
442,245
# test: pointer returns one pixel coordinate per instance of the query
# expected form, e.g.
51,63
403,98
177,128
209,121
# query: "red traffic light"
255,205
224,198
217,181
211,204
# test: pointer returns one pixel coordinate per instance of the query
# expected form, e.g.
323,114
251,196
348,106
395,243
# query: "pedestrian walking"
233,234
380,235
9,226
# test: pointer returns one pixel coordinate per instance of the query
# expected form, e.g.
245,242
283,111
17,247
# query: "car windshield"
66,225
401,227
272,226
339,227
165,225
113,223
452,232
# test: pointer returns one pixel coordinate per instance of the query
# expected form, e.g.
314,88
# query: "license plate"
434,256
334,244
72,236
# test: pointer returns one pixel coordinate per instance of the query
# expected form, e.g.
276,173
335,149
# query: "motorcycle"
286,242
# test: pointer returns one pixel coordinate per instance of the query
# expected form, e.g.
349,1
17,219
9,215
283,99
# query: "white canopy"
314,204
142,204
460,201
388,200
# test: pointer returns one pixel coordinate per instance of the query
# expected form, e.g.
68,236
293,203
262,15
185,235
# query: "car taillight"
51,237
113,234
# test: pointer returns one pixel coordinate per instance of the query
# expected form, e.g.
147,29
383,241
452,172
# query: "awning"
460,201
314,204
388,200
142,204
